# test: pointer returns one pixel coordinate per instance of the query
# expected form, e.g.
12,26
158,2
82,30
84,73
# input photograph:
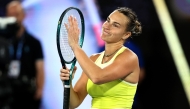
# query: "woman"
110,77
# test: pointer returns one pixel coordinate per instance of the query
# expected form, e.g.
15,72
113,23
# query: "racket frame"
63,62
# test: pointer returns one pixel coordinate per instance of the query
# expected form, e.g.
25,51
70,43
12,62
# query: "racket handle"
66,82
66,97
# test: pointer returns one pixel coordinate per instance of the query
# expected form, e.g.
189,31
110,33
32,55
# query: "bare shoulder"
93,57
128,58
129,55
131,60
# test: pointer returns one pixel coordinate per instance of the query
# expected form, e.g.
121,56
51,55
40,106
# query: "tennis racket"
64,50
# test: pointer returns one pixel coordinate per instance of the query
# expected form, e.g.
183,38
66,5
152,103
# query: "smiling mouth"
106,33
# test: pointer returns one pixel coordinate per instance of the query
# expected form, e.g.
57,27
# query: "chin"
102,37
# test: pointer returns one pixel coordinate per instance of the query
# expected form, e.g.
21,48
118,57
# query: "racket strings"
66,50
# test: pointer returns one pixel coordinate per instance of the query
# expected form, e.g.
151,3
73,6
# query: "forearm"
40,81
84,60
40,75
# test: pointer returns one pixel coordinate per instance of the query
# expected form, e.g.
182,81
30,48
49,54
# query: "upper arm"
81,86
38,55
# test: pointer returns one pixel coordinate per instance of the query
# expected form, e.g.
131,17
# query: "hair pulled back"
133,25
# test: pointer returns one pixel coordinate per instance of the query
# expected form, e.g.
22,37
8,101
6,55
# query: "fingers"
74,70
67,27
72,30
72,24
64,75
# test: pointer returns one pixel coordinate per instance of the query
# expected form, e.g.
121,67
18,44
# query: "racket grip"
67,82
66,97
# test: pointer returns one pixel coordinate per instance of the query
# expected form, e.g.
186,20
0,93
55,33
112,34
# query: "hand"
65,74
73,31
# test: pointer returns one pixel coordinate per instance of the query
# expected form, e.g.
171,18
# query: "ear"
126,35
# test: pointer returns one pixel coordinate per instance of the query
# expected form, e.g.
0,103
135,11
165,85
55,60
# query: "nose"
106,25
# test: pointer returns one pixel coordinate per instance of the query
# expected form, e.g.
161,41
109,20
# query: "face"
15,10
114,28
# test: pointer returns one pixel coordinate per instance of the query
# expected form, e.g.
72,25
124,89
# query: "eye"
115,25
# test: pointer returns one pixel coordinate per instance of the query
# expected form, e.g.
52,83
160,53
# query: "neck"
20,32
112,48
108,55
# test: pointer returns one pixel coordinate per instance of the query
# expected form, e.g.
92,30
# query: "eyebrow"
115,22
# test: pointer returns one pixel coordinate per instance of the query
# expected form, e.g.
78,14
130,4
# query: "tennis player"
110,77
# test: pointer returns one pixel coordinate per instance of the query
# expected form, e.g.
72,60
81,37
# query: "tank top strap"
99,59
119,52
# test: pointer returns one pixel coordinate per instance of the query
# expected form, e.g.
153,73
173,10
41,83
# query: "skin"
125,66
14,9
